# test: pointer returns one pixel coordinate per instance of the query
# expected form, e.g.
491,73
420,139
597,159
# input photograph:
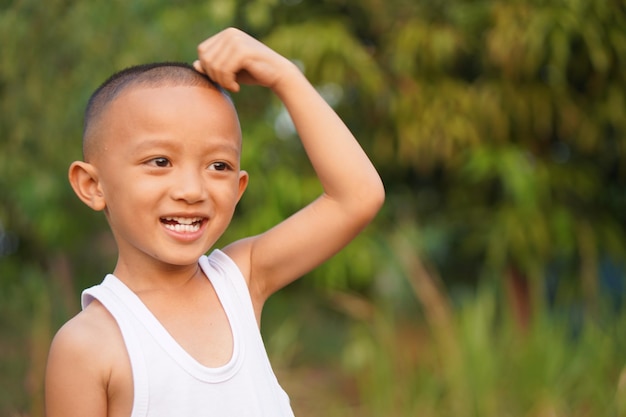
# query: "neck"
155,277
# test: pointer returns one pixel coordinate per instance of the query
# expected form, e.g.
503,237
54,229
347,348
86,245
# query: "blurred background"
492,283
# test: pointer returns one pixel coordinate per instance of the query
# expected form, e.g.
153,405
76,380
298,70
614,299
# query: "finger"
221,57
206,50
211,57
198,66
222,65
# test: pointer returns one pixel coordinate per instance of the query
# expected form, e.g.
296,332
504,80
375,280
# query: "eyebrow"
214,145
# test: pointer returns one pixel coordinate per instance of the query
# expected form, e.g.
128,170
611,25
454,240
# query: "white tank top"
168,382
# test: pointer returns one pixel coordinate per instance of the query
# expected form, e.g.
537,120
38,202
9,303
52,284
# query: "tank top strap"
108,298
228,281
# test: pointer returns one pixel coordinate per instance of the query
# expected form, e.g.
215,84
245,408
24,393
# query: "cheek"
130,193
229,196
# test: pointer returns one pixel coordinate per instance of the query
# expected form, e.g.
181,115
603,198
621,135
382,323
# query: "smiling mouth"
182,224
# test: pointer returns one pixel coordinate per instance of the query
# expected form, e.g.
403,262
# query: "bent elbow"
371,200
378,197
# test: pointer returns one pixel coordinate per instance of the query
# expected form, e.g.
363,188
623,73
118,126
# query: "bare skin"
160,141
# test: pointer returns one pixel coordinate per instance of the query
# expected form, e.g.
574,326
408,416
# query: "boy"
173,332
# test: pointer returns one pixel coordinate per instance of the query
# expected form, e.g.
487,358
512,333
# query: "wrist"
291,77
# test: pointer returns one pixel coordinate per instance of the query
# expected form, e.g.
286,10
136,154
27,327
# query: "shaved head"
166,74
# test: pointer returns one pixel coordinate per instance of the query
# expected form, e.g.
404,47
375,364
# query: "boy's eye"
160,162
218,166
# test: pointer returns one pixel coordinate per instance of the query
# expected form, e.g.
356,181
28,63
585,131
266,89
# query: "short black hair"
153,75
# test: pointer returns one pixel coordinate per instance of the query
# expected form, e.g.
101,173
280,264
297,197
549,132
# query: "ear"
84,180
243,183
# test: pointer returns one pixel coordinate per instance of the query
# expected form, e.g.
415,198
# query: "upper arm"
353,194
75,383
298,244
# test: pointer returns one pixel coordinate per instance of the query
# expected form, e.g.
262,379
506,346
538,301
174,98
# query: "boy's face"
168,170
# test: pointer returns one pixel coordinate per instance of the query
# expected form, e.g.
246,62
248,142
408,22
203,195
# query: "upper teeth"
184,220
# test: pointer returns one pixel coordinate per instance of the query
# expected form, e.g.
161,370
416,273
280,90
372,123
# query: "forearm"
343,168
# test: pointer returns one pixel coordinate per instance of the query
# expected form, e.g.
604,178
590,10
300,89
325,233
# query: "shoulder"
90,338
87,328
82,357
240,253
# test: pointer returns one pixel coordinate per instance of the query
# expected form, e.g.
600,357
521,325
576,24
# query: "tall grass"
555,367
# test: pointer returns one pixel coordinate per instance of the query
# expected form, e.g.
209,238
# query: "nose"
189,186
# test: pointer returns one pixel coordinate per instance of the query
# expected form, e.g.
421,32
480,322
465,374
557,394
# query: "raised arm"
352,189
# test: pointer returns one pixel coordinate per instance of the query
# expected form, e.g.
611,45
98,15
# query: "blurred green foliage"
499,128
